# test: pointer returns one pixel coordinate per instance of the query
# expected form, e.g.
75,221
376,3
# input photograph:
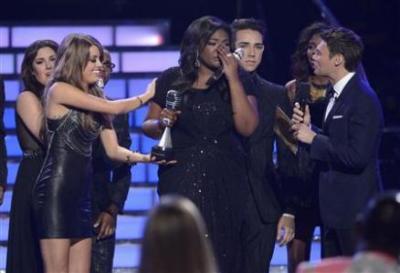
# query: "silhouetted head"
175,239
379,225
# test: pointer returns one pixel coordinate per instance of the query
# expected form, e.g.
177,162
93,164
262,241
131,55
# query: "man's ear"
338,59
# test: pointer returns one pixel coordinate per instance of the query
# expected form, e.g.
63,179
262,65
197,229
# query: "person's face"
252,43
93,67
209,54
322,64
107,67
312,44
43,64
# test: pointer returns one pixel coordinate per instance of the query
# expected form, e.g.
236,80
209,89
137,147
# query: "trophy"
163,150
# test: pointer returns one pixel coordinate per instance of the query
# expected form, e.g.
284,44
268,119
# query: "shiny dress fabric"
23,250
62,194
210,170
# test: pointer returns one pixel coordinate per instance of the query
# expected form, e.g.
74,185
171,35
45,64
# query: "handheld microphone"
304,96
173,102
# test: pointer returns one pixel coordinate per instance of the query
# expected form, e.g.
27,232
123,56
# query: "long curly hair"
194,40
300,67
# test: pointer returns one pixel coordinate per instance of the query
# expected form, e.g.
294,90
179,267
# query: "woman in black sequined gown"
76,114
210,167
23,251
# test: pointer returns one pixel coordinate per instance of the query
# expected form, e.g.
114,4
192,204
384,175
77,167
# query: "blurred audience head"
175,239
379,225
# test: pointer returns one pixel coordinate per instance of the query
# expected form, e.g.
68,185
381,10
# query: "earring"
197,61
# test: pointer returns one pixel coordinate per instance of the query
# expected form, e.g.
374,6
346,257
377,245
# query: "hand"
1,195
300,117
150,90
168,117
285,230
229,63
105,225
303,133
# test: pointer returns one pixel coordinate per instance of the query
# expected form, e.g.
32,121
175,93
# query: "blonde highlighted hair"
72,57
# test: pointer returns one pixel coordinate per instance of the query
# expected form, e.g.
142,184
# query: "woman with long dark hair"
306,88
23,251
210,168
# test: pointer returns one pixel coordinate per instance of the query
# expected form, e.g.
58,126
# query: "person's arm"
119,186
61,93
115,152
30,110
152,125
3,151
121,175
245,115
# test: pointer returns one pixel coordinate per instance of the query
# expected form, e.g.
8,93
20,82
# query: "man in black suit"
111,183
347,146
3,151
265,222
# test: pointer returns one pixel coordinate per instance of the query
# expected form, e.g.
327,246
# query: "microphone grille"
173,99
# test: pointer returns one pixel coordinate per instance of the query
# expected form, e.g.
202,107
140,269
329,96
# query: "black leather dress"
62,194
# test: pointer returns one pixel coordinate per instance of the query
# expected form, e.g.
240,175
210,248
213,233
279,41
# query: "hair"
194,40
248,23
345,42
175,239
300,67
72,58
28,78
379,225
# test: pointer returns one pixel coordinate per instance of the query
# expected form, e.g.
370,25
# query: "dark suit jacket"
266,189
3,151
111,180
347,150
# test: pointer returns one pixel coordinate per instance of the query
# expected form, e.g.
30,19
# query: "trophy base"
161,153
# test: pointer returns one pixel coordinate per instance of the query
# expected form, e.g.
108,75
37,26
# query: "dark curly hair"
300,67
27,75
194,40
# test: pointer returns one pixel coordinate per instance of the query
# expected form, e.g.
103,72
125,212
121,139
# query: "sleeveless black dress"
210,169
62,194
23,250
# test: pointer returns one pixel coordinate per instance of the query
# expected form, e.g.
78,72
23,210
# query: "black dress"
210,169
23,251
62,194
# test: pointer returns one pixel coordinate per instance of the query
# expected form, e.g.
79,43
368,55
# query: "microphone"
304,96
164,150
173,102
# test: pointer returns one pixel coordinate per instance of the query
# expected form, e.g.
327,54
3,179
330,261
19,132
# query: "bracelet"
140,101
